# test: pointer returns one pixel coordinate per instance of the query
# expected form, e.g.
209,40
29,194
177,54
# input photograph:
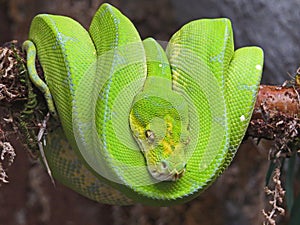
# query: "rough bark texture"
237,197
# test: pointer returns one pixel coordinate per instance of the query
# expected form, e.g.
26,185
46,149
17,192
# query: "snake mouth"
164,173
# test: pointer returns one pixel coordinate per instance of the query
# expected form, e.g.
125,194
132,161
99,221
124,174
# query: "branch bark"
276,117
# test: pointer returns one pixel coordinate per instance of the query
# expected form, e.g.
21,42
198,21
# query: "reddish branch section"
276,116
274,100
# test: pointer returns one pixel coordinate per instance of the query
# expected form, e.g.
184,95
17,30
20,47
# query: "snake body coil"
143,124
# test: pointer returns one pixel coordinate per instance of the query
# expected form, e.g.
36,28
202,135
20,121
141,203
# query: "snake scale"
141,122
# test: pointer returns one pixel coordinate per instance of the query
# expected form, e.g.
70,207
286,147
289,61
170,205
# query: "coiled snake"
143,124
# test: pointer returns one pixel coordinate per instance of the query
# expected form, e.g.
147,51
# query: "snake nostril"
164,164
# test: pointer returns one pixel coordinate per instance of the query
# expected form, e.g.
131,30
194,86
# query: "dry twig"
277,195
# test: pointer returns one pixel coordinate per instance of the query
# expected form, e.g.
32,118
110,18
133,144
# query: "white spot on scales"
258,67
242,118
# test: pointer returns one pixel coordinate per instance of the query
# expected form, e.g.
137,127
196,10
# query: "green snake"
142,123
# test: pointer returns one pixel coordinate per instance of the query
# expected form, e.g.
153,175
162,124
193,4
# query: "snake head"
160,127
166,161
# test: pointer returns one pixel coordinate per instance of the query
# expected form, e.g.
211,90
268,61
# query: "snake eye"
149,135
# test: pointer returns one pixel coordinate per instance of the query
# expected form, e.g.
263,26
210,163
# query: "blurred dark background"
237,197
272,25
